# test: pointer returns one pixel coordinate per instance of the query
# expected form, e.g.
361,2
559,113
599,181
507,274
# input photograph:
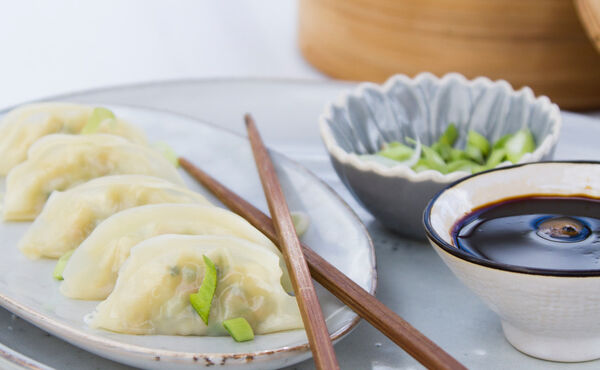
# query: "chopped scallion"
450,135
396,151
474,154
301,222
202,300
61,264
520,143
496,157
434,160
478,155
479,141
167,152
98,116
239,329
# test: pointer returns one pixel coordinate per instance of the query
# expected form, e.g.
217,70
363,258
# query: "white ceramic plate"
28,290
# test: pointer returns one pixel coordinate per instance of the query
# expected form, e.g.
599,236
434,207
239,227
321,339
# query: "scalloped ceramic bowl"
365,118
546,313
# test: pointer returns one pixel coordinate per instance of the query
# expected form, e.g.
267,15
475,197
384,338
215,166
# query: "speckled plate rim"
14,359
446,247
351,159
100,345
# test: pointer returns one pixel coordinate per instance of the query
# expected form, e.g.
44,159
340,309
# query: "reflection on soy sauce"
535,231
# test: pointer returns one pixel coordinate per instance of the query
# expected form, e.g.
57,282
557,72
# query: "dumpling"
152,292
92,269
70,216
21,127
59,162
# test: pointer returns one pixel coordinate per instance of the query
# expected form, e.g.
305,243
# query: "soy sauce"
561,233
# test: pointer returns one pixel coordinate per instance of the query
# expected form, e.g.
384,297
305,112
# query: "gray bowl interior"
374,116
423,111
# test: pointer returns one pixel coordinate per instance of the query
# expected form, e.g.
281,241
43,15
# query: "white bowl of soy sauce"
526,239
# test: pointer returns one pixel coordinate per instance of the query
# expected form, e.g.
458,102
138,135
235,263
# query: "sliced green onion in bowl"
396,151
497,156
478,141
518,144
389,162
499,144
479,154
421,165
434,160
450,135
463,165
416,154
474,154
457,154
443,149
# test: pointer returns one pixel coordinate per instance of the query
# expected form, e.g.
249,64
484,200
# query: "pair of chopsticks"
282,233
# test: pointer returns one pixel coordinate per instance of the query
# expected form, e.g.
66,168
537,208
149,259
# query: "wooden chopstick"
306,296
345,289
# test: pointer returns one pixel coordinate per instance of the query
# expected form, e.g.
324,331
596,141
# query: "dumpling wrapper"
92,270
56,140
152,292
70,216
22,126
59,162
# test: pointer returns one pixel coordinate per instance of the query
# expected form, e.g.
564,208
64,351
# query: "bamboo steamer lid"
589,13
536,43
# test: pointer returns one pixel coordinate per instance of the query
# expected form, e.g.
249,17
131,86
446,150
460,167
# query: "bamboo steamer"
589,13
536,43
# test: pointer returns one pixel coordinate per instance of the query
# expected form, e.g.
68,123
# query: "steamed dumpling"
70,216
59,162
92,269
152,292
21,127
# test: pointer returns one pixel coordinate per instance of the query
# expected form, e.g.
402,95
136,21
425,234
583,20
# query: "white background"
49,47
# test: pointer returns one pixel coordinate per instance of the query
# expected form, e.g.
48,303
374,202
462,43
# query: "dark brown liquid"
541,232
